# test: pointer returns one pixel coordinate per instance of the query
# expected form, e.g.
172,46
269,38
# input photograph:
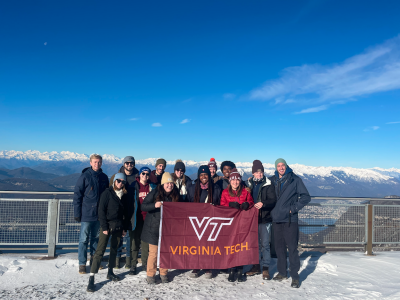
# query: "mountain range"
60,170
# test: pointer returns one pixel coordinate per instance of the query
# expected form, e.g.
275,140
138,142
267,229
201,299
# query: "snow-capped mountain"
321,181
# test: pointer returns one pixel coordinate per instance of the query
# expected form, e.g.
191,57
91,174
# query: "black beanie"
257,166
204,169
179,165
227,163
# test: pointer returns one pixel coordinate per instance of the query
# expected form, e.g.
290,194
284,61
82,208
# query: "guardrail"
324,221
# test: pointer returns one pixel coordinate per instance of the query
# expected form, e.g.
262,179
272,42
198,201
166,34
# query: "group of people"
129,204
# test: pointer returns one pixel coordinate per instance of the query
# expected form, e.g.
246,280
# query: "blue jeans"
89,230
264,249
128,246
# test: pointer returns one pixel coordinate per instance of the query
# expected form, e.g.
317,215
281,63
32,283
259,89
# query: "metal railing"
324,221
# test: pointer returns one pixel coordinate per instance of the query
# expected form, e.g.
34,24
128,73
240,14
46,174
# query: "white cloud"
187,100
393,122
45,43
376,70
133,119
371,128
156,125
229,96
313,109
185,121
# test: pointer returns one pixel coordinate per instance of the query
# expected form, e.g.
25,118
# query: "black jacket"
151,227
266,195
115,210
291,197
204,194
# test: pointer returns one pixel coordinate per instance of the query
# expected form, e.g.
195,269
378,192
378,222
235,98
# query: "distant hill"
29,173
66,183
23,184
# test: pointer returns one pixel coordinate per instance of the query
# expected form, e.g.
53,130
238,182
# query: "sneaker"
194,274
208,274
265,274
91,287
151,279
255,270
279,277
164,279
111,276
295,284
128,263
231,277
82,269
117,263
132,271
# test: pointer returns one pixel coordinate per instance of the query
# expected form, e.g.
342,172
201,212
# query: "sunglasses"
120,180
130,163
145,174
180,170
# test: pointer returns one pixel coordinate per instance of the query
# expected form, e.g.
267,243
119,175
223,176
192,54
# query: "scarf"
204,186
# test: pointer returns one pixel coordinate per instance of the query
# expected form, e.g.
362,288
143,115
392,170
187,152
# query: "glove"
245,205
234,205
78,219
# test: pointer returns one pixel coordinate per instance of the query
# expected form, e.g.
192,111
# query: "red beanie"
235,175
212,163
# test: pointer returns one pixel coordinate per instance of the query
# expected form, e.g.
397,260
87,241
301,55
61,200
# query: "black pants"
287,235
101,248
135,243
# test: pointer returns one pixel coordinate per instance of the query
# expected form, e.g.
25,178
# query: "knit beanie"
204,169
280,160
213,163
166,178
161,161
257,166
129,158
235,175
179,165
119,176
142,169
227,163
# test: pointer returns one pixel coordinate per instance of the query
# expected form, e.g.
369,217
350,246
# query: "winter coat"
151,227
215,178
183,189
130,178
245,196
154,178
140,215
112,209
224,183
266,195
88,188
291,197
204,194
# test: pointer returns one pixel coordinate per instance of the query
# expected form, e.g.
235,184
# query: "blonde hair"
95,156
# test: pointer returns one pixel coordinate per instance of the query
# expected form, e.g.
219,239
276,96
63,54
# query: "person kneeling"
112,210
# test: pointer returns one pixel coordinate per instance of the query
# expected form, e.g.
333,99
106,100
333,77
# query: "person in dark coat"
212,165
90,185
165,192
226,169
181,181
292,195
116,210
203,191
156,175
236,196
263,193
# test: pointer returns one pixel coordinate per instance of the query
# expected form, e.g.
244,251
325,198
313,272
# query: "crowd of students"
129,204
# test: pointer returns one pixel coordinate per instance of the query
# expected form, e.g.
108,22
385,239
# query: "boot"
151,279
255,270
231,277
208,274
279,277
91,287
194,274
240,275
117,263
132,271
144,268
164,279
91,261
128,262
265,274
82,269
295,284
111,276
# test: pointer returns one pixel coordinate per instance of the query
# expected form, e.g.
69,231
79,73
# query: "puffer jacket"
89,186
291,194
245,196
266,195
151,227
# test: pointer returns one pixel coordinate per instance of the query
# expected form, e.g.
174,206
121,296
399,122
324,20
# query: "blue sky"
315,82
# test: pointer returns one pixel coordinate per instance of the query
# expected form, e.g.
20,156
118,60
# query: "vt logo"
215,221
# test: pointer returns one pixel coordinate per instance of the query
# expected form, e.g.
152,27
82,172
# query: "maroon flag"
203,236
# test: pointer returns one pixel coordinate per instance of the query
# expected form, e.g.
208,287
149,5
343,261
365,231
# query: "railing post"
52,227
369,230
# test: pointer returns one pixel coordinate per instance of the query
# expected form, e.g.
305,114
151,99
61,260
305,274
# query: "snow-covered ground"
336,275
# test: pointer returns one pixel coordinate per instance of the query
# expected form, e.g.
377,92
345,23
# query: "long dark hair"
162,194
239,190
197,190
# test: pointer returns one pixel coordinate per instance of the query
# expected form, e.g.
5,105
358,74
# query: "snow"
335,275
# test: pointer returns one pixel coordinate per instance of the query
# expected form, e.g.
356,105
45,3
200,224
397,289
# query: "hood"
134,171
88,169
